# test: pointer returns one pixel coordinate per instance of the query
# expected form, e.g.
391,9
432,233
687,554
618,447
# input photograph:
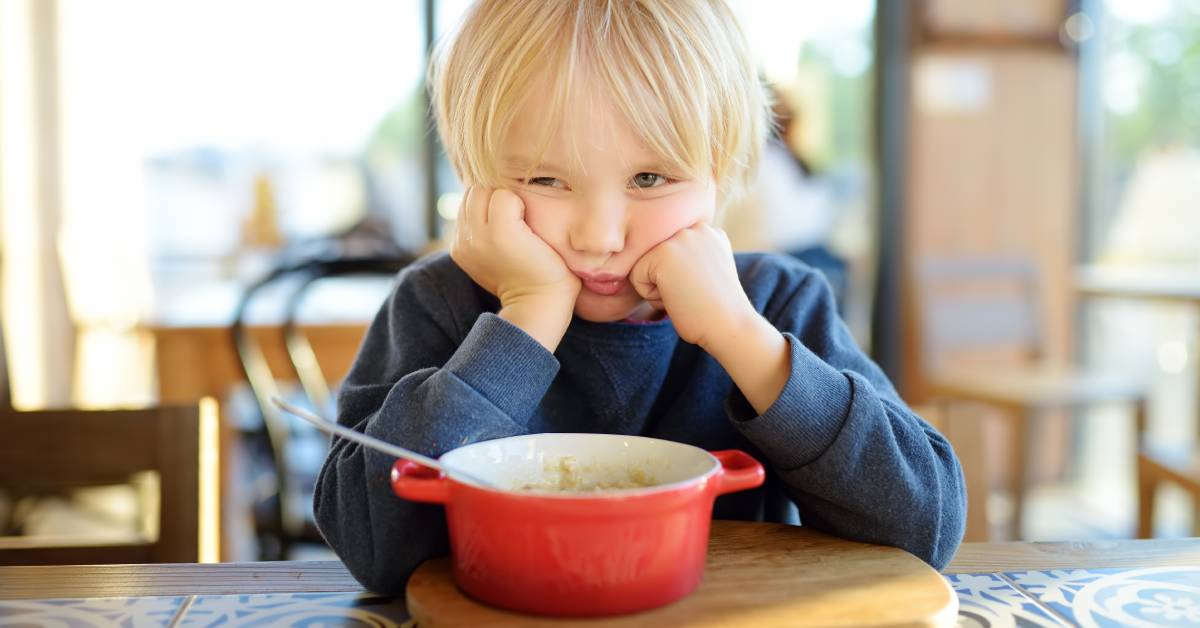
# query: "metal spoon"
379,445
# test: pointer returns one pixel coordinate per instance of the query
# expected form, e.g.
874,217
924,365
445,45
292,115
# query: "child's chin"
605,309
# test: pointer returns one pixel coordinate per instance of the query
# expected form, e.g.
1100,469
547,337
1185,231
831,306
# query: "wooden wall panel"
993,171
1008,18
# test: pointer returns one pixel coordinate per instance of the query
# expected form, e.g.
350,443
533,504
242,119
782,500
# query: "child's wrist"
730,337
544,317
756,356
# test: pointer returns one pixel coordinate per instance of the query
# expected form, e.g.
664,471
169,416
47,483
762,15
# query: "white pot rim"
476,459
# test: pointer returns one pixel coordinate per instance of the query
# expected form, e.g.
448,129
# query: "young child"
588,289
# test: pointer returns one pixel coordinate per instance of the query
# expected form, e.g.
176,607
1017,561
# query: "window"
196,136
1143,212
180,117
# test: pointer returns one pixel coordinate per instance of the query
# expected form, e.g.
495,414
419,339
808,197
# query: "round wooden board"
758,574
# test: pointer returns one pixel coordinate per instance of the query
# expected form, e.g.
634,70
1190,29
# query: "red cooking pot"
590,524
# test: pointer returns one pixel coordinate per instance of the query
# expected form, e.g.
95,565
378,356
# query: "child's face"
601,199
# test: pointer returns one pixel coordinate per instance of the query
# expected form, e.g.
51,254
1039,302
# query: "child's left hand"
693,277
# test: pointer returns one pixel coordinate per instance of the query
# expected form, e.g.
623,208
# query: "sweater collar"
625,332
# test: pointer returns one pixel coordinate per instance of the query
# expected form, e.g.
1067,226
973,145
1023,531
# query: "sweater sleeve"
422,384
857,461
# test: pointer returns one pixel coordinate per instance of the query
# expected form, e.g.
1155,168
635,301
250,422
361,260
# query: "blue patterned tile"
1159,596
295,609
130,612
985,599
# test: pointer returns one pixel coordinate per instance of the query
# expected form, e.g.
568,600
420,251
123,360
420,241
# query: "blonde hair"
679,71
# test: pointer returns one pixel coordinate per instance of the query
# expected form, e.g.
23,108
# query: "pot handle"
739,471
419,484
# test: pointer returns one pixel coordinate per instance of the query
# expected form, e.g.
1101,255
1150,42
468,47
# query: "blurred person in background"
795,208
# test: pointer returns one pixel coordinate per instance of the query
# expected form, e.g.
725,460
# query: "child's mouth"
603,284
604,288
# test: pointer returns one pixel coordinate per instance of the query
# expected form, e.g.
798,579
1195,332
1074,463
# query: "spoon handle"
368,441
378,444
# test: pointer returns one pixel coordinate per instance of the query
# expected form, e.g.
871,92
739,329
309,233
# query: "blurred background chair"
981,336
1166,455
1161,463
285,456
59,452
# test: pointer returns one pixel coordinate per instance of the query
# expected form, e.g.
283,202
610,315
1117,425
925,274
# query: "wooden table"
195,361
1157,284
1043,584
194,346
1109,583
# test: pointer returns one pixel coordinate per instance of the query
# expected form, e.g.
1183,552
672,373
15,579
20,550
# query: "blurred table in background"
1151,283
1156,284
200,361
194,350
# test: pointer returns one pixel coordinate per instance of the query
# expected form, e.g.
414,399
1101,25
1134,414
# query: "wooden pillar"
992,152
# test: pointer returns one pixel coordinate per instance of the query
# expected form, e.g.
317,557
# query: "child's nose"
600,229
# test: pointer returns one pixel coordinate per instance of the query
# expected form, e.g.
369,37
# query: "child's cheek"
653,227
543,217
671,215
703,204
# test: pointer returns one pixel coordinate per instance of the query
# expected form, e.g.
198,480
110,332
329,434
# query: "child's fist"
497,249
693,277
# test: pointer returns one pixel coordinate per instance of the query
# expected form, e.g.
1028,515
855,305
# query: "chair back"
55,449
300,350
287,521
975,309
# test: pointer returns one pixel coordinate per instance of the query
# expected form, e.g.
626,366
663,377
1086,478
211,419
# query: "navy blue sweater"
438,369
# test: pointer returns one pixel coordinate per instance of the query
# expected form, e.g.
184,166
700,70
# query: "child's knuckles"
505,204
639,287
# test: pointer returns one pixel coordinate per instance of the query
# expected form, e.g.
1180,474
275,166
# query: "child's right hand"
496,248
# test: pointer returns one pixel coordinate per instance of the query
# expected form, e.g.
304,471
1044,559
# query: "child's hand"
692,276
497,249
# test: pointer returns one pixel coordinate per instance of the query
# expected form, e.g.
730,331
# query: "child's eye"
546,181
646,180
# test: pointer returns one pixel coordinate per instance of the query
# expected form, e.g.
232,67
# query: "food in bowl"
565,475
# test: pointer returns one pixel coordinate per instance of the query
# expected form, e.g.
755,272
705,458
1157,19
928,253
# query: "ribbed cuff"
505,364
807,416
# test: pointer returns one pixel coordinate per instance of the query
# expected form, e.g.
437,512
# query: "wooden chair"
973,307
284,518
50,450
1161,463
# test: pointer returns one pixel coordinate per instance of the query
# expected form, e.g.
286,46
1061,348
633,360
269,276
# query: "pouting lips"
604,288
